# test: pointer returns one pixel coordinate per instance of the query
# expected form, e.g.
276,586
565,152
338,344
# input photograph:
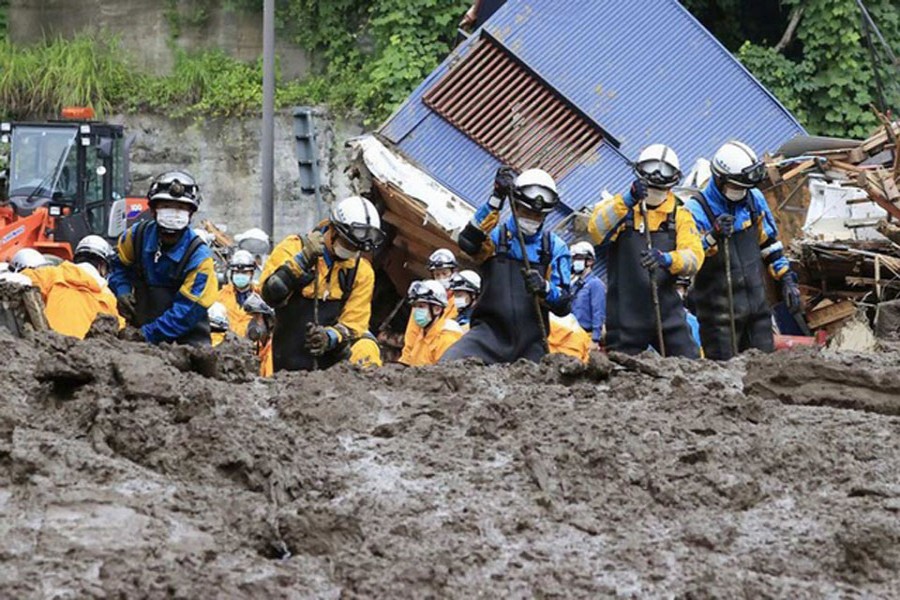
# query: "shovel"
654,285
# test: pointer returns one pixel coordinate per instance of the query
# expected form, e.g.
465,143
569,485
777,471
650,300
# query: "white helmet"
536,190
255,240
583,249
204,235
429,291
27,258
218,317
356,220
175,186
442,258
658,166
466,281
736,164
16,278
242,260
92,246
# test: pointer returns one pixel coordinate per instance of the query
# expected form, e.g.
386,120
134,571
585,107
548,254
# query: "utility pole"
267,152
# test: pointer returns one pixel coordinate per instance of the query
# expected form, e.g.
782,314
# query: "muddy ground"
130,471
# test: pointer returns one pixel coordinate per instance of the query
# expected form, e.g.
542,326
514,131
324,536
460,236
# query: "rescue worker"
568,337
218,323
259,331
433,331
27,258
588,291
505,323
256,242
325,272
442,265
631,317
163,274
731,210
241,267
465,287
76,292
683,285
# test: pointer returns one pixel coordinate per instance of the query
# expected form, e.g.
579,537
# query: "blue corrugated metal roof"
645,71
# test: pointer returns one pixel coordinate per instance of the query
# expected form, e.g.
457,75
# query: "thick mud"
130,471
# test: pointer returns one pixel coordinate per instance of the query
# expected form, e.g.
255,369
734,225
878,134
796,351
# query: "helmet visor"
419,292
658,173
363,237
537,197
752,176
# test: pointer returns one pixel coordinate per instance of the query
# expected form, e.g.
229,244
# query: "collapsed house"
566,87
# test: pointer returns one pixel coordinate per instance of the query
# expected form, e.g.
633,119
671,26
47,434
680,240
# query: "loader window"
39,158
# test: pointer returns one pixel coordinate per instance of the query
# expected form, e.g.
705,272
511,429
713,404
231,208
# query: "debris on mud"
138,471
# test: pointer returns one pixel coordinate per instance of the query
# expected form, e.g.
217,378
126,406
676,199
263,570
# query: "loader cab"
76,168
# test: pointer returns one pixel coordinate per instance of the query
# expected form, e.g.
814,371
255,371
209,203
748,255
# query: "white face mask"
578,266
445,282
655,197
461,302
343,253
175,219
735,194
529,226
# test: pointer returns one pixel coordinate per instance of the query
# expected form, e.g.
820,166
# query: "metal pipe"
267,151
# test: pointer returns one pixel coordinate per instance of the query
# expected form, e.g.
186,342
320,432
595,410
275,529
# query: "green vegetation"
93,71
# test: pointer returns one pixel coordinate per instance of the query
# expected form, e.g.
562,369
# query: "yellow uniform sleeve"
358,308
688,255
125,247
283,253
606,219
44,279
449,336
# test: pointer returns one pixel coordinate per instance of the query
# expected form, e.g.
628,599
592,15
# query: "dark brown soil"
130,471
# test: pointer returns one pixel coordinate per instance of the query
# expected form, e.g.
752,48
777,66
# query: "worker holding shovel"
740,240
643,307
525,271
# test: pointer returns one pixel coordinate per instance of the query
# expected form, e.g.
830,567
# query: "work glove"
320,340
535,283
652,259
257,330
724,226
635,195
790,292
313,248
132,334
504,181
126,305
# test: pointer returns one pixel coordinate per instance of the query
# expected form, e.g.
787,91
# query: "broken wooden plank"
832,313
799,169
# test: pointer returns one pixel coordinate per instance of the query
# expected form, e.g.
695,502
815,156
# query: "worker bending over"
588,291
321,288
218,323
675,250
241,266
259,331
465,287
76,292
163,274
568,337
732,212
506,322
432,329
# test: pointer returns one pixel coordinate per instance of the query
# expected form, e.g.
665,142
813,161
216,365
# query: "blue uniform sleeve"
598,308
702,222
771,248
121,268
559,295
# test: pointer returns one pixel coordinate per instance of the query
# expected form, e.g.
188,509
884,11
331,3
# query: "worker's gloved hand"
280,285
654,259
313,248
635,195
535,283
320,340
504,181
790,292
126,305
131,334
257,330
724,226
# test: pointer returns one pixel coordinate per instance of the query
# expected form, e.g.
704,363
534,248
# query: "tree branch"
796,15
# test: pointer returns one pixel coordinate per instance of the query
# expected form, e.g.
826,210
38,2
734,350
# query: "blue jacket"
196,292
694,324
560,263
771,249
589,304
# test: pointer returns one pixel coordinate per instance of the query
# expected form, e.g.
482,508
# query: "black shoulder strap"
503,240
701,199
137,247
346,279
671,218
546,256
188,254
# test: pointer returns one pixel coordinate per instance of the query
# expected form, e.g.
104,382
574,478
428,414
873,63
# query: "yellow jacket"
266,366
608,220
426,347
73,297
357,310
411,329
216,338
238,318
567,337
